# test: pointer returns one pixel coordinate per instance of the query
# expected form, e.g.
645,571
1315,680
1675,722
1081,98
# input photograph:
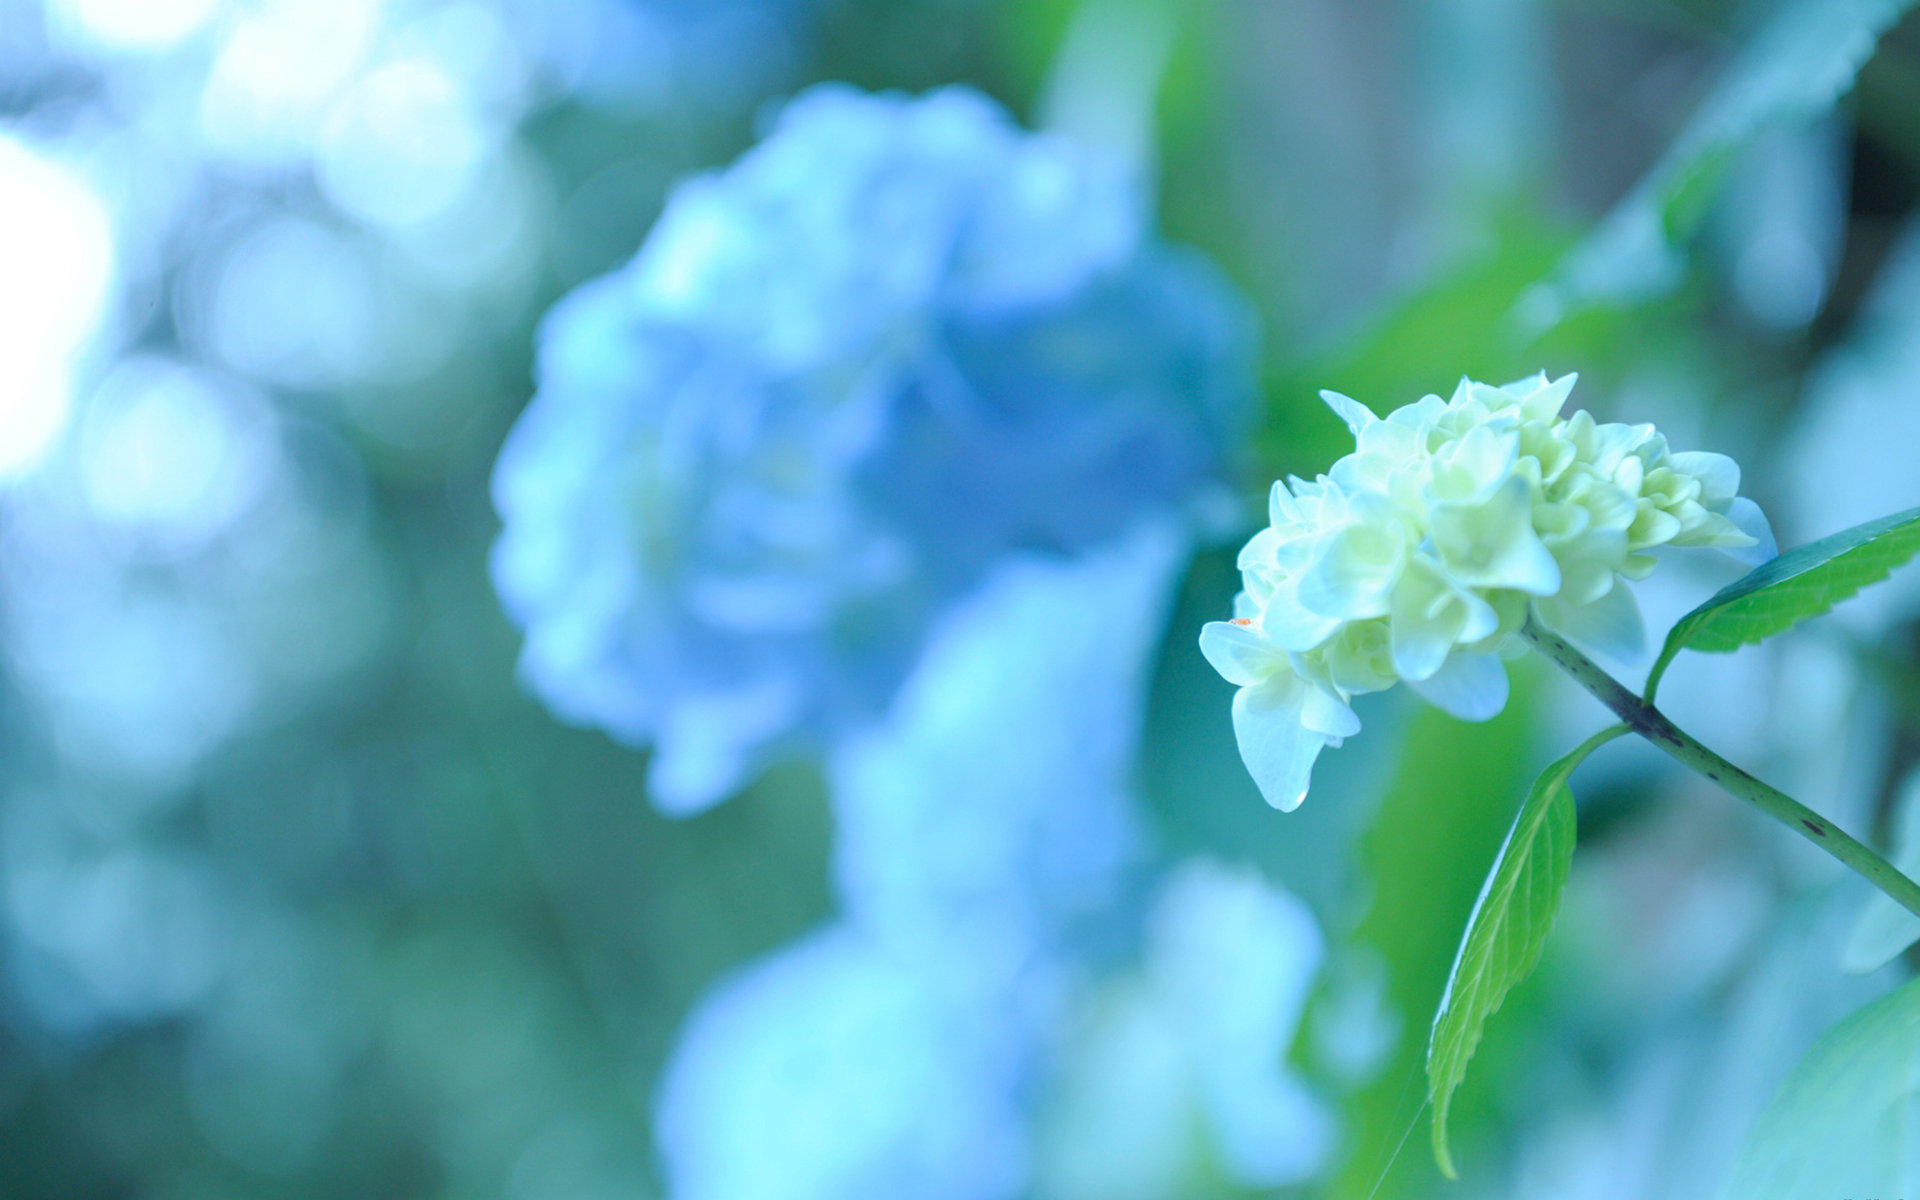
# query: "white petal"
1545,403
1746,515
1480,619
1282,509
1421,414
1491,543
1240,654
1259,550
1355,573
1357,415
1278,749
1419,644
1472,687
1290,626
1484,457
1610,626
1719,475
1325,713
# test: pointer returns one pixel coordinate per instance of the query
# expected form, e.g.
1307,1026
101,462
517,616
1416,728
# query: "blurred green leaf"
1507,930
1451,326
1799,64
1422,854
1792,588
1844,1122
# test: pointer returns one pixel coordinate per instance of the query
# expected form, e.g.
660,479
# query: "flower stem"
1651,724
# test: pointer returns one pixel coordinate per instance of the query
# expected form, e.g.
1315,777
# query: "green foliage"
1507,930
1794,69
1792,588
1390,362
1843,1123
1420,853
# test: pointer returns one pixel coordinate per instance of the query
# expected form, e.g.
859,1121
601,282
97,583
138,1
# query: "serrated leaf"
1885,928
1794,68
1847,1120
1802,583
1506,931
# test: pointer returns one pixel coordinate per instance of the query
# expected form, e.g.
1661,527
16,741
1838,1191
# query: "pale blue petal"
1325,713
1354,574
1282,508
1472,687
1290,626
1277,747
1718,474
1545,403
1748,518
1419,647
1357,415
1259,550
1239,653
1491,542
1611,626
1527,386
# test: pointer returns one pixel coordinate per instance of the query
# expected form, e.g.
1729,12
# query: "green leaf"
1506,931
1799,584
1794,68
1425,852
1885,928
1847,1120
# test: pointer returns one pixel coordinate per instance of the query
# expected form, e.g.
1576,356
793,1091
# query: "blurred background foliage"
302,896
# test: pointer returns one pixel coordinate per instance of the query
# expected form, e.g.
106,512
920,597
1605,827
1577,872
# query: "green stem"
1650,723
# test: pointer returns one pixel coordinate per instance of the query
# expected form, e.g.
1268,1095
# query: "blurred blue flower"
992,1017
1178,1068
834,1071
993,806
842,379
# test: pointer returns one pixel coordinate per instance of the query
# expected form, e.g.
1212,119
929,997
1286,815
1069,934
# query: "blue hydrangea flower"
1018,847
832,1070
992,1017
895,342
1177,1069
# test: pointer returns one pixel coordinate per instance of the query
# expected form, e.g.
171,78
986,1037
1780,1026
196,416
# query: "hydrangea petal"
1718,474
1427,621
1277,747
1354,574
1610,626
1324,713
1491,543
1292,626
1544,401
1239,653
1472,687
1282,508
1357,415
1748,519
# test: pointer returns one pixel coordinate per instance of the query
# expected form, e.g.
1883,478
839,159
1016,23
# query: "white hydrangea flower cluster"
1419,556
